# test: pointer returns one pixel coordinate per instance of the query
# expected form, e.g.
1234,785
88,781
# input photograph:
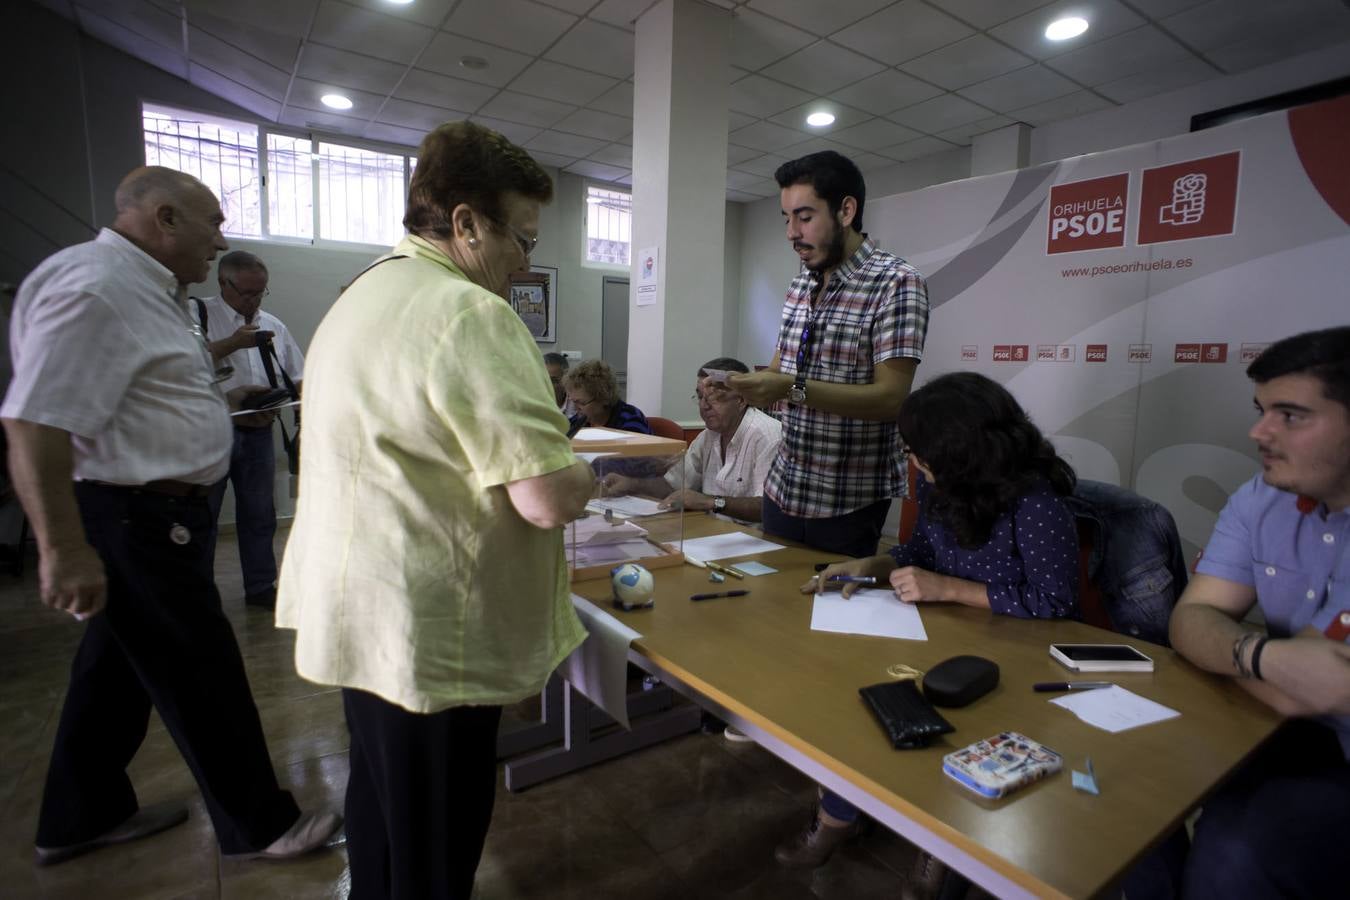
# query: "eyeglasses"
713,395
247,295
524,242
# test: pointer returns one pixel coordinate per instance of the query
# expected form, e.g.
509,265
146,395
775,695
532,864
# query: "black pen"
719,595
852,579
1047,686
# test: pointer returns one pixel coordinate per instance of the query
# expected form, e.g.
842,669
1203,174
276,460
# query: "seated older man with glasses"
726,465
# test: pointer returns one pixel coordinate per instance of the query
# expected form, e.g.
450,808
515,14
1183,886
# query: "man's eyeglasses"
715,395
247,295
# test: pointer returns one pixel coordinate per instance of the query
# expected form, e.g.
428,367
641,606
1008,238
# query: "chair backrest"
665,428
1131,564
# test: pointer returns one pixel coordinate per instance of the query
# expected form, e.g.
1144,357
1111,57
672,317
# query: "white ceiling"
905,79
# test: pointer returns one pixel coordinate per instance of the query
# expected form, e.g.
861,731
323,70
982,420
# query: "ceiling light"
336,101
1068,27
820,119
399,2
476,63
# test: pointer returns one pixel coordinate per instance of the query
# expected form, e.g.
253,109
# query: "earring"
473,242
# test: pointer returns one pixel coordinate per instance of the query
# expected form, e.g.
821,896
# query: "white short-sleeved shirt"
222,321
749,456
104,348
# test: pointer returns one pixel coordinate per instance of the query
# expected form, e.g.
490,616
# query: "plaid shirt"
874,308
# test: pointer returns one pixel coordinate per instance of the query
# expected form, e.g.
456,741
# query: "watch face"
796,393
719,503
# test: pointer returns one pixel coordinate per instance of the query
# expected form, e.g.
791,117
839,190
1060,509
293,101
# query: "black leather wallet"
909,719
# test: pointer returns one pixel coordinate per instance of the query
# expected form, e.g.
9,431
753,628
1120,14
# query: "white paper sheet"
873,612
603,434
276,408
599,667
722,546
1114,709
626,506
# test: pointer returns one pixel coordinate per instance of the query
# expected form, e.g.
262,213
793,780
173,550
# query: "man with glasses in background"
252,348
852,335
726,465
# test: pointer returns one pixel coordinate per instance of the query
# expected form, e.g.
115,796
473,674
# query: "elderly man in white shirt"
116,431
725,467
257,349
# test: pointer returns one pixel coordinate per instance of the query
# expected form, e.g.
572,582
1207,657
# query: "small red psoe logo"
1141,353
1249,352
1011,352
1214,353
970,352
1088,215
1055,352
1187,353
1094,353
1192,199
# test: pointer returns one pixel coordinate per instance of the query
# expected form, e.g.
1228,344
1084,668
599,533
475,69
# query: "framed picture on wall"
534,297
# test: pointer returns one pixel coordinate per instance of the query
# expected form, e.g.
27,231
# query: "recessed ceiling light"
1063,29
820,119
477,63
336,101
399,2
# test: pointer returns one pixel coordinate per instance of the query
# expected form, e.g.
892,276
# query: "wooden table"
755,661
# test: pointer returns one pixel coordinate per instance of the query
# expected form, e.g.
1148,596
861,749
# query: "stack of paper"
872,612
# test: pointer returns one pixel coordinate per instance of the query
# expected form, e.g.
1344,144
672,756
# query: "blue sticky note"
754,568
1086,781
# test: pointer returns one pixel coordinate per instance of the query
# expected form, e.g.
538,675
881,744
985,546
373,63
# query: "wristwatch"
719,504
797,393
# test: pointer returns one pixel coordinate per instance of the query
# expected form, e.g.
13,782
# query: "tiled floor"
694,817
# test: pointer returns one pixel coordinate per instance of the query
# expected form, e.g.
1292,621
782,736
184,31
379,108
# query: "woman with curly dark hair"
992,533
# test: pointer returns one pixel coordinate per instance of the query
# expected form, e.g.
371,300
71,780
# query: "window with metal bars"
222,154
609,225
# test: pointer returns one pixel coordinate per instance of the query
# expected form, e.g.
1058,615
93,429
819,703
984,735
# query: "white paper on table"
275,408
1114,709
599,667
874,612
592,457
586,555
722,546
603,434
626,506
595,530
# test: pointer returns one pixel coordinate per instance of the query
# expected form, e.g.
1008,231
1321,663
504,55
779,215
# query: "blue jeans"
853,534
1278,828
253,473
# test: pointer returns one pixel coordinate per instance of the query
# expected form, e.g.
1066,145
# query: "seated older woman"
593,390
726,465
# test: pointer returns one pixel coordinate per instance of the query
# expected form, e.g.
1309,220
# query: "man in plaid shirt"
852,335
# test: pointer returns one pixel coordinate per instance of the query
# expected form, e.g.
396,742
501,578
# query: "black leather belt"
168,487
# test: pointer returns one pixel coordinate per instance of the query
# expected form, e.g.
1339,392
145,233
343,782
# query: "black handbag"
909,720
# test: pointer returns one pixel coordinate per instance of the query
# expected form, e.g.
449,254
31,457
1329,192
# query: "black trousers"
854,533
419,798
162,640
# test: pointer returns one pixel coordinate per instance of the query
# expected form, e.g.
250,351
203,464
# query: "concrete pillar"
679,201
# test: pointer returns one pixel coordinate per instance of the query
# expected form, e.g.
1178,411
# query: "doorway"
614,329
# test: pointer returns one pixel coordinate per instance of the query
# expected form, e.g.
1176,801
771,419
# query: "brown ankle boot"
811,847
925,878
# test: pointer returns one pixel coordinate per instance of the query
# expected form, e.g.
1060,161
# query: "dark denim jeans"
253,473
853,534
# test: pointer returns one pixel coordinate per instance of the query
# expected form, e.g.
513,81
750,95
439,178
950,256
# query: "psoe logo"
1192,199
1186,353
1214,353
1249,352
1055,352
970,352
1141,353
1011,352
1088,215
1094,353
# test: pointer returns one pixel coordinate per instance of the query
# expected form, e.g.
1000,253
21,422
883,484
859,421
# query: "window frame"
314,137
586,261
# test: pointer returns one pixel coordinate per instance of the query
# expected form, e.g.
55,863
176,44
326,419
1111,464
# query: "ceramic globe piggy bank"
633,586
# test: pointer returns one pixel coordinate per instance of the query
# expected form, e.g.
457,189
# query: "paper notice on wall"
649,282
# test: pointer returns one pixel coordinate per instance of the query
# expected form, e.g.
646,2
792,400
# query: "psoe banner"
1121,295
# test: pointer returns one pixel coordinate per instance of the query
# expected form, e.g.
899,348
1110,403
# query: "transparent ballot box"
626,523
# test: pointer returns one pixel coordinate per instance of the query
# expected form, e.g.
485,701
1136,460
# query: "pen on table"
1042,687
695,562
852,579
726,570
719,595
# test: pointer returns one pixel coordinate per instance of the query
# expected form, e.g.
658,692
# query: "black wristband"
1256,657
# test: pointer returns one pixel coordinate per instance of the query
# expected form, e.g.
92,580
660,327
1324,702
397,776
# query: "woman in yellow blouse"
425,572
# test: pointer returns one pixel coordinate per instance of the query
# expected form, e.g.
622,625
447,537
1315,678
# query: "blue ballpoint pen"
852,579
1046,686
